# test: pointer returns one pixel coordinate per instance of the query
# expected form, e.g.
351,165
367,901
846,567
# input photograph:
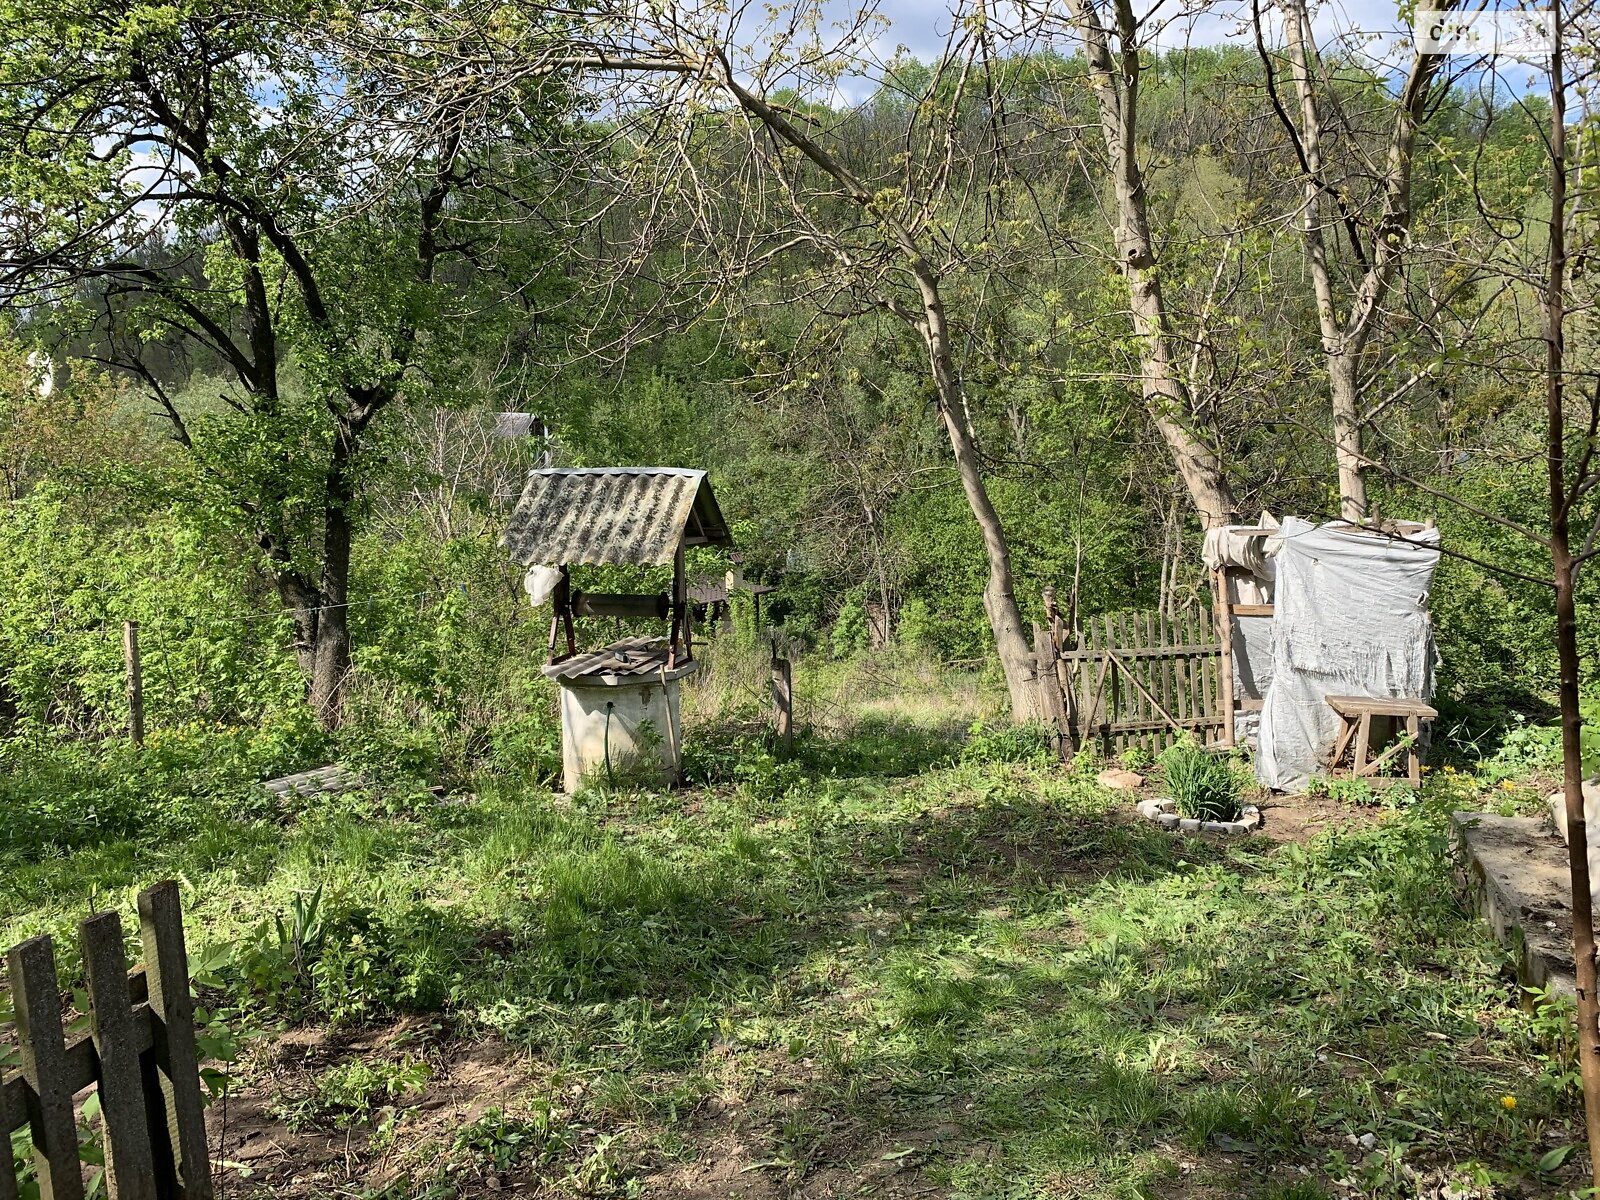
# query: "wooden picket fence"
1132,680
139,1056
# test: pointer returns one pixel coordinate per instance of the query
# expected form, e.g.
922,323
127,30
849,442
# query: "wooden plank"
174,1091
43,1051
1414,751
783,703
1172,666
1161,671
1381,706
8,1174
8,1171
1254,610
1167,717
1113,683
129,1173
1182,701
81,1064
1195,647
1128,627
130,661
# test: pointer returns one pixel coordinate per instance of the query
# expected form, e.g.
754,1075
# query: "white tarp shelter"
1328,610
1350,618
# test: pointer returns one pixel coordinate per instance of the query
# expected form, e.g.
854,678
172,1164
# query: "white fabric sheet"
1351,619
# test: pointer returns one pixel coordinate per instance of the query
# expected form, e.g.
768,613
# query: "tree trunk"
999,595
1017,659
1347,448
330,668
1583,946
1171,408
1343,342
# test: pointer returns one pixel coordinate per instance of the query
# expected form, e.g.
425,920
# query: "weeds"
1202,784
881,946
351,1092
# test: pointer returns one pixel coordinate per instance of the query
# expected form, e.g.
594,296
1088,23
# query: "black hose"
606,742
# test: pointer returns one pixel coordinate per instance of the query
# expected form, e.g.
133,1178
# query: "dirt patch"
261,1153
1301,818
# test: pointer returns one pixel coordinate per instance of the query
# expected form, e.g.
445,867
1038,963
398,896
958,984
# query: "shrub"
1007,743
1202,784
919,629
850,633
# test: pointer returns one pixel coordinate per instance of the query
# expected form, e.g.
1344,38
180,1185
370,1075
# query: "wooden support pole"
1224,609
783,701
37,1004
130,659
1051,701
8,1170
130,1174
172,1078
680,605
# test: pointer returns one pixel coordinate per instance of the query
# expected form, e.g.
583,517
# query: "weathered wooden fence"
139,1056
1135,679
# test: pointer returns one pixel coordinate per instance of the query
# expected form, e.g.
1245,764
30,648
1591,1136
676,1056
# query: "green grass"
886,957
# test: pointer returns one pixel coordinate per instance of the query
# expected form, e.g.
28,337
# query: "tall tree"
260,184
789,196
1376,248
1186,422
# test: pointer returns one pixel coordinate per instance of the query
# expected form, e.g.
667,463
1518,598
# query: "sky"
1373,28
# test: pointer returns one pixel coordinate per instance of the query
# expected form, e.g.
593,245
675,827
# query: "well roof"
613,515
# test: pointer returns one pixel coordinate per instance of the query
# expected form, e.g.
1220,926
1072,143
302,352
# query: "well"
619,704
620,717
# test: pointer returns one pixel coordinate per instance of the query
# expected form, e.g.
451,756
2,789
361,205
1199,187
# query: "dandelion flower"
1508,1103
1508,786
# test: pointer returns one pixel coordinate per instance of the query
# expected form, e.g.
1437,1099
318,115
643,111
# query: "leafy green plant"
1202,785
1137,758
502,1140
850,634
351,1092
1005,742
1345,790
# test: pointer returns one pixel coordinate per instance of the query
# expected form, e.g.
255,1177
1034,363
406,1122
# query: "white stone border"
1165,814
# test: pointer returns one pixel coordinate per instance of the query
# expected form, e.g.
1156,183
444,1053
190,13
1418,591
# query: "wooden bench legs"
1359,731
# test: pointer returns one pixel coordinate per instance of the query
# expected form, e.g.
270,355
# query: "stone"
1368,1141
1120,779
1232,1145
1189,824
1591,816
1168,820
1149,809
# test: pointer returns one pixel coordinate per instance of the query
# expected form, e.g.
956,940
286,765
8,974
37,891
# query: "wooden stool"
1355,716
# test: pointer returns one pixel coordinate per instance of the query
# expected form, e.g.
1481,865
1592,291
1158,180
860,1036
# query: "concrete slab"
1515,869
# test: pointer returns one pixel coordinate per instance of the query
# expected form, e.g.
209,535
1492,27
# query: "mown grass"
910,966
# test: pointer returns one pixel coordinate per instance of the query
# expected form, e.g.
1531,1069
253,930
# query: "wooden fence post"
1224,611
783,701
1049,685
130,658
172,1074
129,1173
140,1057
44,1069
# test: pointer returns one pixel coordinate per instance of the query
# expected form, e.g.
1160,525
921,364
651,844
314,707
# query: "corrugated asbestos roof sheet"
630,656
513,425
613,515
